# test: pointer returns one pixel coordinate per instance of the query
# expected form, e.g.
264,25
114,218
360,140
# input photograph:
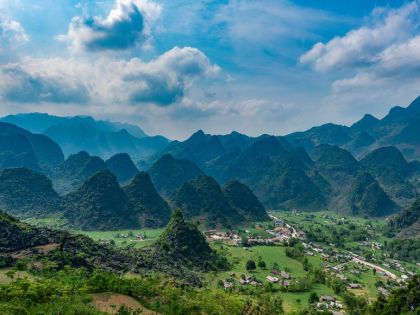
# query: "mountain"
26,146
326,134
368,122
168,173
367,198
183,247
243,199
400,128
122,166
334,161
84,133
407,223
148,207
199,148
27,193
100,204
16,151
70,174
202,199
389,167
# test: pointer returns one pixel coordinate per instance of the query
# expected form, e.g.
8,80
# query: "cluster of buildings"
330,303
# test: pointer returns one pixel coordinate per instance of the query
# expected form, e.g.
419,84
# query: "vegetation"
27,193
168,174
122,166
100,204
148,207
203,199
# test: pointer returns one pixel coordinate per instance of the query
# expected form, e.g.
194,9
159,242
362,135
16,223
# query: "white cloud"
162,81
127,24
11,32
365,45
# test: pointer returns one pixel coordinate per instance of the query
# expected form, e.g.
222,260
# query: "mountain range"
83,133
318,169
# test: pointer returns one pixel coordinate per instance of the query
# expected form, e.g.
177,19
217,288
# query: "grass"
4,279
270,255
151,236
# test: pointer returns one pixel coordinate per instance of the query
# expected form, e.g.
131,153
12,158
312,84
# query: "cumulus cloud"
126,25
11,32
161,81
364,46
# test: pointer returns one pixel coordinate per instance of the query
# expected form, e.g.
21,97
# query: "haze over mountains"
83,133
328,167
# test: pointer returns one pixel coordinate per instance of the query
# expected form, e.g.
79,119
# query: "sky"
176,66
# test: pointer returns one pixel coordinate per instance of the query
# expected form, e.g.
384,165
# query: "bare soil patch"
110,303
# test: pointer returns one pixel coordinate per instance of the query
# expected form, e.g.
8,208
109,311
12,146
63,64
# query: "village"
346,266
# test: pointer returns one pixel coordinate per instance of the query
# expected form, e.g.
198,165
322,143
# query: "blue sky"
175,66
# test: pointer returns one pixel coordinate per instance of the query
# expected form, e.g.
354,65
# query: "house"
275,272
327,298
285,275
232,274
354,286
272,279
227,284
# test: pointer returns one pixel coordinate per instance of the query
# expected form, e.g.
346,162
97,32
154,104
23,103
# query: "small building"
354,286
227,284
272,279
285,275
327,298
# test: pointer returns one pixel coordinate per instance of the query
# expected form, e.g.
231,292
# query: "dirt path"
110,303
388,273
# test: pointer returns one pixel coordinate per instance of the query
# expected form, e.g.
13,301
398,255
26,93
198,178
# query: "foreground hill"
148,207
203,199
100,204
28,193
83,133
182,248
168,173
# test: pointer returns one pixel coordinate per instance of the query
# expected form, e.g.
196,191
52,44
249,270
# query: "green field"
151,236
238,256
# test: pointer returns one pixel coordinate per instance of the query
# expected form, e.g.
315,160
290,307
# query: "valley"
211,225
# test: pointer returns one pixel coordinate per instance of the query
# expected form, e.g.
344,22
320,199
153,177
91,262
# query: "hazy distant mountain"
122,166
70,174
100,204
19,147
27,193
148,207
168,174
98,137
400,128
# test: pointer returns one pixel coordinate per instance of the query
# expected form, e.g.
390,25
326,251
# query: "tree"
313,297
262,264
250,265
374,271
